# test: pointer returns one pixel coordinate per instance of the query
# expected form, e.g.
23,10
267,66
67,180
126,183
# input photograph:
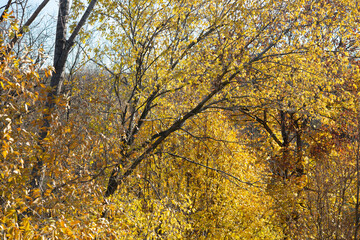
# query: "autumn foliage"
181,120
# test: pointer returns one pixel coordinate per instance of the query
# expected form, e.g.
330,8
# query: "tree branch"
27,24
265,125
85,16
211,168
7,6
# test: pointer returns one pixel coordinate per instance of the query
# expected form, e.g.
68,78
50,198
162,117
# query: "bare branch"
27,24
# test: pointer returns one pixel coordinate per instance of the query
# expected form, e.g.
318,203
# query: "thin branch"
27,24
7,6
144,114
207,137
211,168
193,43
265,125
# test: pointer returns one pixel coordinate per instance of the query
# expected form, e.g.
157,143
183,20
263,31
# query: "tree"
62,49
201,119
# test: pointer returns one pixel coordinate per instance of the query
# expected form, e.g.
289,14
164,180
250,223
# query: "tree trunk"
62,49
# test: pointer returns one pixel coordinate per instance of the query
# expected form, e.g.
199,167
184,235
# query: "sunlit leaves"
270,91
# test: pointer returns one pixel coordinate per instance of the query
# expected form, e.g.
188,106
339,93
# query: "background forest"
180,119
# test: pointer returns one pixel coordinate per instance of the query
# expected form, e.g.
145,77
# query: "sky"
50,9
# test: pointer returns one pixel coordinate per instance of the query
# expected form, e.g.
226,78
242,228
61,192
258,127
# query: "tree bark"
62,50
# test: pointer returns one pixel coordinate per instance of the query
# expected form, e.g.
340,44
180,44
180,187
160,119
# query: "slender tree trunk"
357,156
60,44
62,49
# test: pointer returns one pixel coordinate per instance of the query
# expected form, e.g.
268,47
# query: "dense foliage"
181,119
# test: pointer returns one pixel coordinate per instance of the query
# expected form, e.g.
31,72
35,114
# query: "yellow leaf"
4,153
